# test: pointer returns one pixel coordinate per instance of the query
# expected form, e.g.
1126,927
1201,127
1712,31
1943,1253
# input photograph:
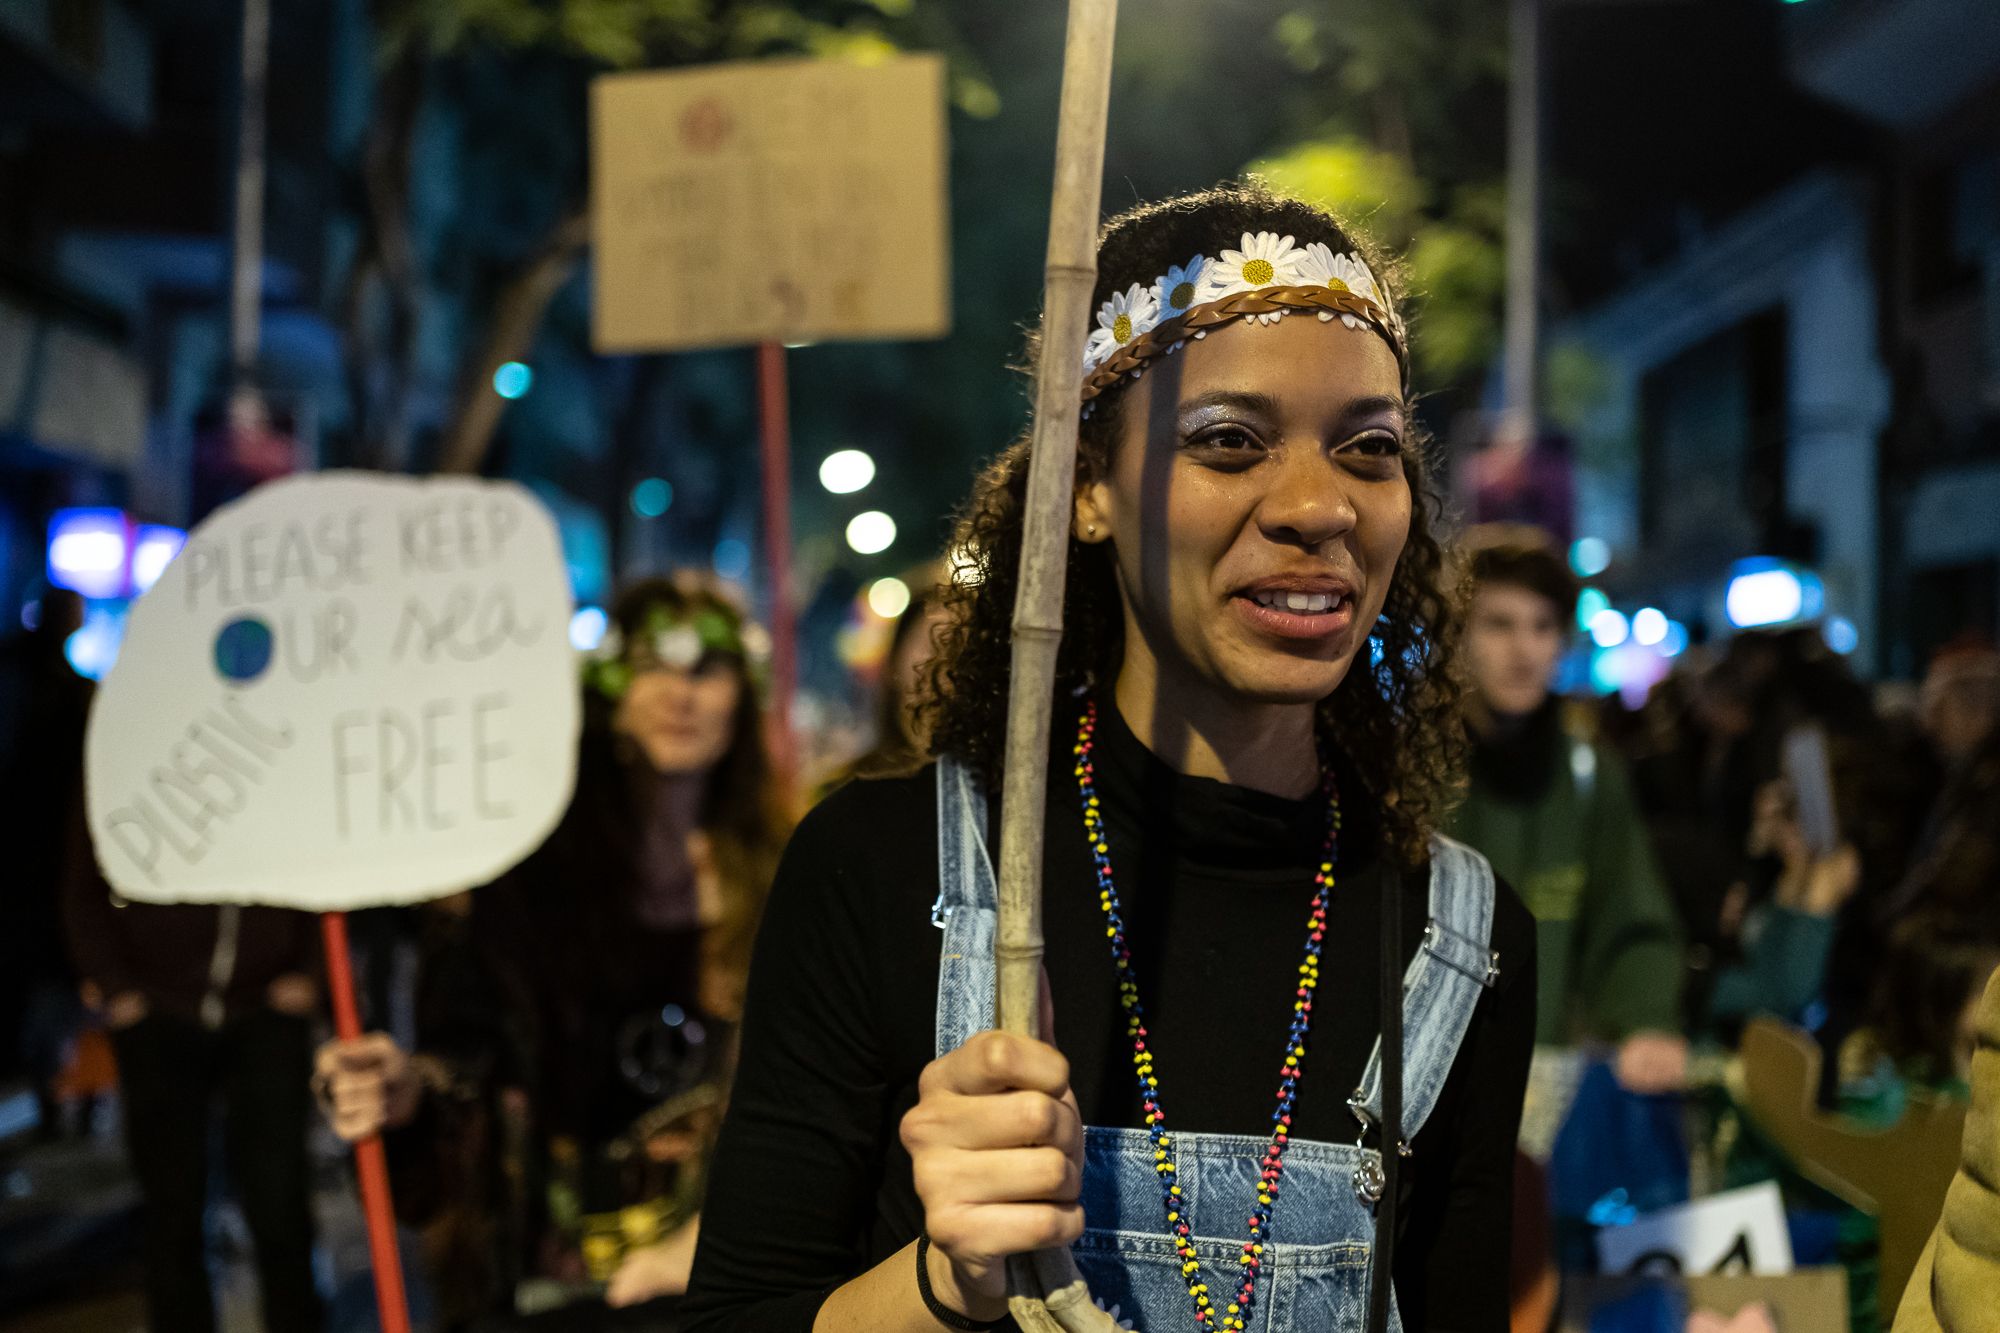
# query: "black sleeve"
1452,1273
793,1181
90,921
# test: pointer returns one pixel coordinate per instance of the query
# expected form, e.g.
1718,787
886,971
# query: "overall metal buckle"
1370,1180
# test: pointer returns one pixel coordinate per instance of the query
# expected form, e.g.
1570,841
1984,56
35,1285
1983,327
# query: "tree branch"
510,336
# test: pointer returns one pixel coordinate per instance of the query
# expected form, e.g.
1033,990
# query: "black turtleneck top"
810,1185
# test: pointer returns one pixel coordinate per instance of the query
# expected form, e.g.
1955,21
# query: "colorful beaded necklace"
1237,1315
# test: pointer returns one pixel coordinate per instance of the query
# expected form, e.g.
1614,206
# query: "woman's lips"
1289,624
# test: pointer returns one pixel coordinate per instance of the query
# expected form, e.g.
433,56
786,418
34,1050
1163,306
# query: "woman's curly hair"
1396,717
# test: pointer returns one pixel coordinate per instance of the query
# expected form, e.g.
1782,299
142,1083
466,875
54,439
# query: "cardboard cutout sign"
348,690
1899,1174
769,201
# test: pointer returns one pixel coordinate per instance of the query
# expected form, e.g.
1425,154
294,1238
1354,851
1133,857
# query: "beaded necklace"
1180,1228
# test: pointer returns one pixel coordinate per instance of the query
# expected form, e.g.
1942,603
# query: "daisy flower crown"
1265,280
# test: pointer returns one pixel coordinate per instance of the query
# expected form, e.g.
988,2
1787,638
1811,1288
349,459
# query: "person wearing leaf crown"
573,1017
1256,730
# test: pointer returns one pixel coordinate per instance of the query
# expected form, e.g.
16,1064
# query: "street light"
1590,556
1649,626
846,471
513,379
888,598
1589,603
587,628
871,533
651,497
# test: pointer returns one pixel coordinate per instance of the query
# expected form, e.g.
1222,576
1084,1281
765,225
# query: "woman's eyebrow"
1375,405
1243,400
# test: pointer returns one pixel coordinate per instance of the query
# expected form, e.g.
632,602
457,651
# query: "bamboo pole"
1047,1295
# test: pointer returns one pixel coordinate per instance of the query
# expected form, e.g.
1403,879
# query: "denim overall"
1316,1274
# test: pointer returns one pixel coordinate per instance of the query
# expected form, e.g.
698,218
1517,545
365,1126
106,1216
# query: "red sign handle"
370,1163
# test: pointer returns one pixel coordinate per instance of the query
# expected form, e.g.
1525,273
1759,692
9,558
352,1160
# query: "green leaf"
1347,176
975,96
1458,274
1298,34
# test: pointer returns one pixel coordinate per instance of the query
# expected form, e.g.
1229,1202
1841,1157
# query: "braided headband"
1264,281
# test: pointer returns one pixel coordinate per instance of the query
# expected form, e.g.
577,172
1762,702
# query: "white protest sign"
348,690
1740,1231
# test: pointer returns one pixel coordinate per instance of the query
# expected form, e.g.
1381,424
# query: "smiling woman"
1257,733
1305,424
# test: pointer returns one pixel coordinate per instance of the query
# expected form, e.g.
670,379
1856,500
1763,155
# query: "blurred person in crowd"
207,1004
1779,964
1960,702
1959,710
41,780
1924,1014
1553,811
573,1016
900,740
1249,519
1711,772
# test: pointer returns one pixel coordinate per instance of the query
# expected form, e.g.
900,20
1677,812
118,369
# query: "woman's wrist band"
945,1315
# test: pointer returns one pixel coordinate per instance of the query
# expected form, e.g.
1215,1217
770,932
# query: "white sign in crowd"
348,690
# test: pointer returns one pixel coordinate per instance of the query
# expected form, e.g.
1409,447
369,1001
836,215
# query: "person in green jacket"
1554,814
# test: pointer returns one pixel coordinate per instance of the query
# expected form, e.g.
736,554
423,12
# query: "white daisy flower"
1177,290
1316,265
1343,273
1124,317
1350,269
1266,260
678,647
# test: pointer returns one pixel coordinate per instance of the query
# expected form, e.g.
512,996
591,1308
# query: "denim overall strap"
967,908
1454,966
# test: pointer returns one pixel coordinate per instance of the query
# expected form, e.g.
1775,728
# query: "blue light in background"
1609,628
513,379
1649,626
1840,635
88,550
92,649
1765,591
732,558
1676,641
1589,603
1604,677
155,549
586,628
651,497
1589,556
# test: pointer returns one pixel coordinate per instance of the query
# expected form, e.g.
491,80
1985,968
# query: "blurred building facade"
1818,379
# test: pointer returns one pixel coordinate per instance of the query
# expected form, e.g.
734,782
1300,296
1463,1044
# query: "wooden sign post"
770,203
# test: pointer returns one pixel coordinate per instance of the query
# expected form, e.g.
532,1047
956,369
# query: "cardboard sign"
769,201
1900,1174
348,690
1810,1300
1740,1231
